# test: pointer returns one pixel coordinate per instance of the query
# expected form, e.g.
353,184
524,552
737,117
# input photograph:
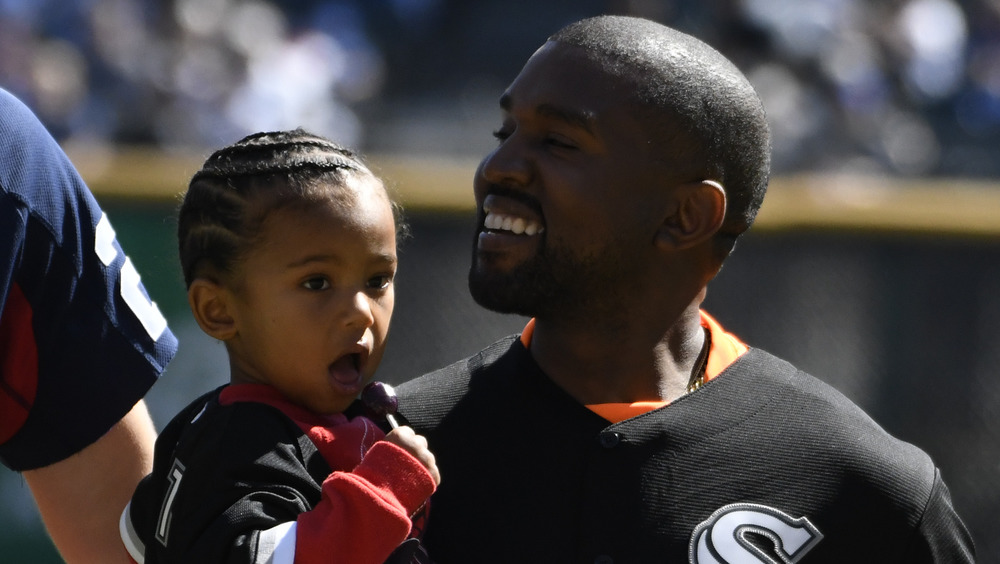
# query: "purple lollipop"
380,398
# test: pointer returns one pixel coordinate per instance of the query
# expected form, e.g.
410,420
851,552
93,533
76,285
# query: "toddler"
288,248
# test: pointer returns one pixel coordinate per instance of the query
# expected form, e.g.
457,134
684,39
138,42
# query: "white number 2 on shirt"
145,310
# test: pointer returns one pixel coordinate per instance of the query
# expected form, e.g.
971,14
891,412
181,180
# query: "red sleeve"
365,514
18,363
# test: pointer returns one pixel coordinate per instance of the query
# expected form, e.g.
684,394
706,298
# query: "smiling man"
625,424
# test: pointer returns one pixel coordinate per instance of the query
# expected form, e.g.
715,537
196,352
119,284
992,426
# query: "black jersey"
763,464
243,476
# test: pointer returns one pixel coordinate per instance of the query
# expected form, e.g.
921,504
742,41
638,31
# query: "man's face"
570,199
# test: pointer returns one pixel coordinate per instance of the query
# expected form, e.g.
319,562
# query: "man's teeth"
516,225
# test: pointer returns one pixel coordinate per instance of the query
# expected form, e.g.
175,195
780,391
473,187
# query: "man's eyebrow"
572,116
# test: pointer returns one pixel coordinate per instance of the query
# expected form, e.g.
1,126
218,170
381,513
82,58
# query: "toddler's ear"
209,305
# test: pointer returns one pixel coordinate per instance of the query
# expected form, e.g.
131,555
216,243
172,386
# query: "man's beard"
552,284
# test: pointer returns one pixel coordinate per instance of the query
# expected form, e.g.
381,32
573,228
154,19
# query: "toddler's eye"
317,283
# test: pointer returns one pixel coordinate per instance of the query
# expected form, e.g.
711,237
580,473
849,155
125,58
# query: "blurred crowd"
905,87
186,72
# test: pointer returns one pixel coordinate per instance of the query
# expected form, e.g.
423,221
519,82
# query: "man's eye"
317,283
380,282
559,142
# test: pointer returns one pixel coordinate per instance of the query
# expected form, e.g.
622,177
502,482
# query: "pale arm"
81,498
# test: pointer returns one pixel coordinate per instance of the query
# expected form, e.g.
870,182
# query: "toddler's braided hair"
239,185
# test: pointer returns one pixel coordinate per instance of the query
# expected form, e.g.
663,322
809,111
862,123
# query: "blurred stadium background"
875,263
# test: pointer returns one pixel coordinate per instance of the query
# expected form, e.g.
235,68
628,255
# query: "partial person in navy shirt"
80,345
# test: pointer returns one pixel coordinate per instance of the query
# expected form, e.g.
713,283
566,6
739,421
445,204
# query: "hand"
407,439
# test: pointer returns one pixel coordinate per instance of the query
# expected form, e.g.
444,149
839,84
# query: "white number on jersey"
174,480
145,310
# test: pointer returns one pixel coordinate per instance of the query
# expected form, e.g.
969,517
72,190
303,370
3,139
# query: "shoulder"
461,371
32,164
210,444
19,123
819,427
777,436
819,411
455,378
220,470
37,181
231,433
430,396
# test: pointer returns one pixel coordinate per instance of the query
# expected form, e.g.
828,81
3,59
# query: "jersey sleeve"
366,512
942,535
80,340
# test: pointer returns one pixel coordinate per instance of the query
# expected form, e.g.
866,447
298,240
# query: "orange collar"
726,348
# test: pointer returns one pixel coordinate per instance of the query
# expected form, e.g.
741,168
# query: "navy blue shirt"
80,340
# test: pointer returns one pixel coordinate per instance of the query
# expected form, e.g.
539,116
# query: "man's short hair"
706,115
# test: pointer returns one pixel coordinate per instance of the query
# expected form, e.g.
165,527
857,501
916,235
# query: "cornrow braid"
238,185
278,152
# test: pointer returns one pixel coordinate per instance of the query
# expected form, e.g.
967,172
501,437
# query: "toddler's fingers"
406,438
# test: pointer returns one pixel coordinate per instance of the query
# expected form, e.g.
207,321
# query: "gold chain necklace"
698,374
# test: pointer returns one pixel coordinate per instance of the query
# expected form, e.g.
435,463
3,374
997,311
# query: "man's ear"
209,303
696,214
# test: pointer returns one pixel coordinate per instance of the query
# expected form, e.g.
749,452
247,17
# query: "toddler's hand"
407,439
